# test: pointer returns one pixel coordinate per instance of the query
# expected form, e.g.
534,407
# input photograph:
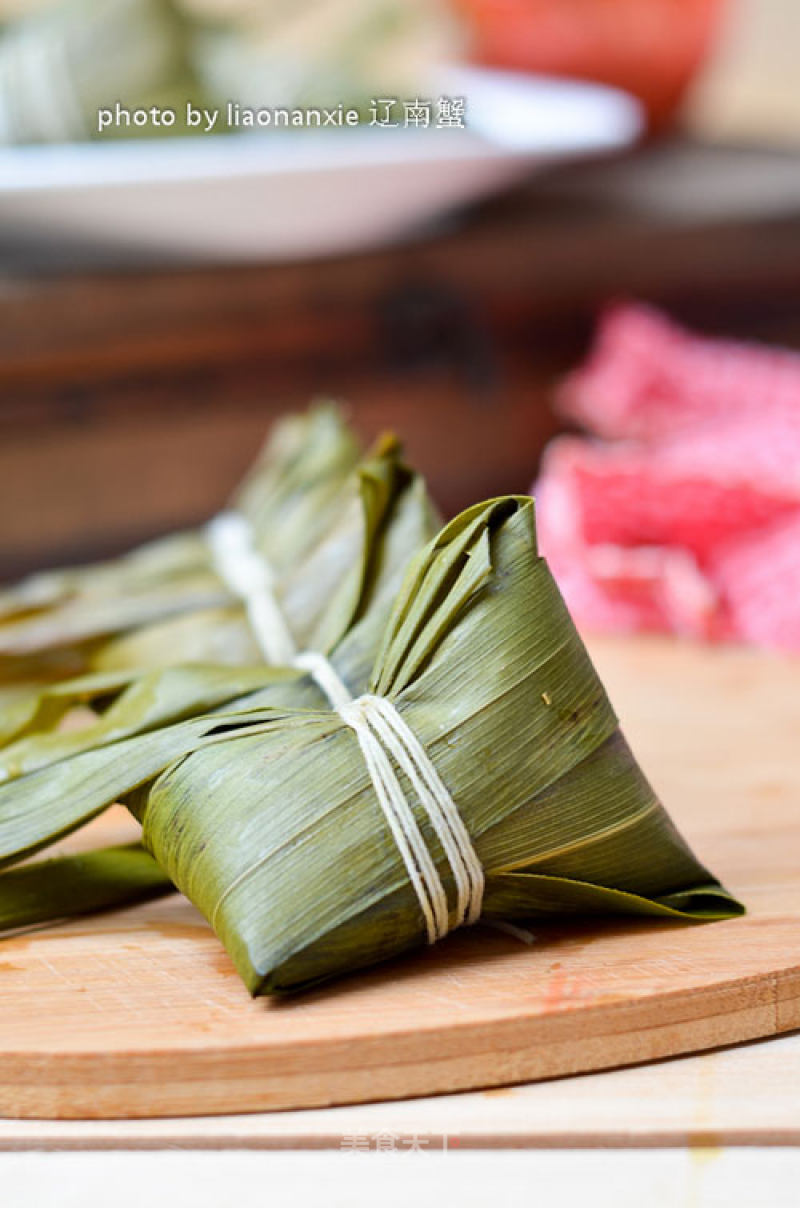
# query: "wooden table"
712,1131
701,1130
140,1013
743,1096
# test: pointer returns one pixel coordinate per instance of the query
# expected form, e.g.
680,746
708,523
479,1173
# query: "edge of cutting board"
139,1013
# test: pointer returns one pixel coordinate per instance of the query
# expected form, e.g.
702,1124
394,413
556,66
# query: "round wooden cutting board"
139,1013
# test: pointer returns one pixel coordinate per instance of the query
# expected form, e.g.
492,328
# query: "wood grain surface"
743,1095
140,1013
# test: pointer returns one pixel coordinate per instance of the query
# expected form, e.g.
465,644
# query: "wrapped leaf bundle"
335,602
481,775
338,539
320,54
352,541
59,66
109,615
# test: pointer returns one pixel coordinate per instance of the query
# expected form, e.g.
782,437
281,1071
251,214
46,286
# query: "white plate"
292,194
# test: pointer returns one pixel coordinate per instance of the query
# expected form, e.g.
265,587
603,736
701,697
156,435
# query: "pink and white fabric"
681,512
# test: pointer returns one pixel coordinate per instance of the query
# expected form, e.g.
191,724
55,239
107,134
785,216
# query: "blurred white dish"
299,194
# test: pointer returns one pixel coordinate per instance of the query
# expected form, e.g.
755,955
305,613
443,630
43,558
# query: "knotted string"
247,573
380,730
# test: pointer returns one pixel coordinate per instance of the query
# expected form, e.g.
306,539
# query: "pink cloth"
686,517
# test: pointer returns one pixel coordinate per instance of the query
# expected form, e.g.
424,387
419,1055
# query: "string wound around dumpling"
246,572
381,732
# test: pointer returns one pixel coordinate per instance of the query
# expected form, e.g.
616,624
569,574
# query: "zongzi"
333,598
108,616
482,774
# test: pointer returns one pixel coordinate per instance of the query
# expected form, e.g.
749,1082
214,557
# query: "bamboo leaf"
141,702
47,804
291,497
338,598
69,886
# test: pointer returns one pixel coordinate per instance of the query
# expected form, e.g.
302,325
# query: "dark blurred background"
132,398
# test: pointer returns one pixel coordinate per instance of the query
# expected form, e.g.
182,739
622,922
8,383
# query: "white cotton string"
410,843
246,572
439,805
380,730
325,675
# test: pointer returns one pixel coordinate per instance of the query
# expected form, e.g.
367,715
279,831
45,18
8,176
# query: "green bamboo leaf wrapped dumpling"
338,549
109,616
334,599
345,587
59,66
481,775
